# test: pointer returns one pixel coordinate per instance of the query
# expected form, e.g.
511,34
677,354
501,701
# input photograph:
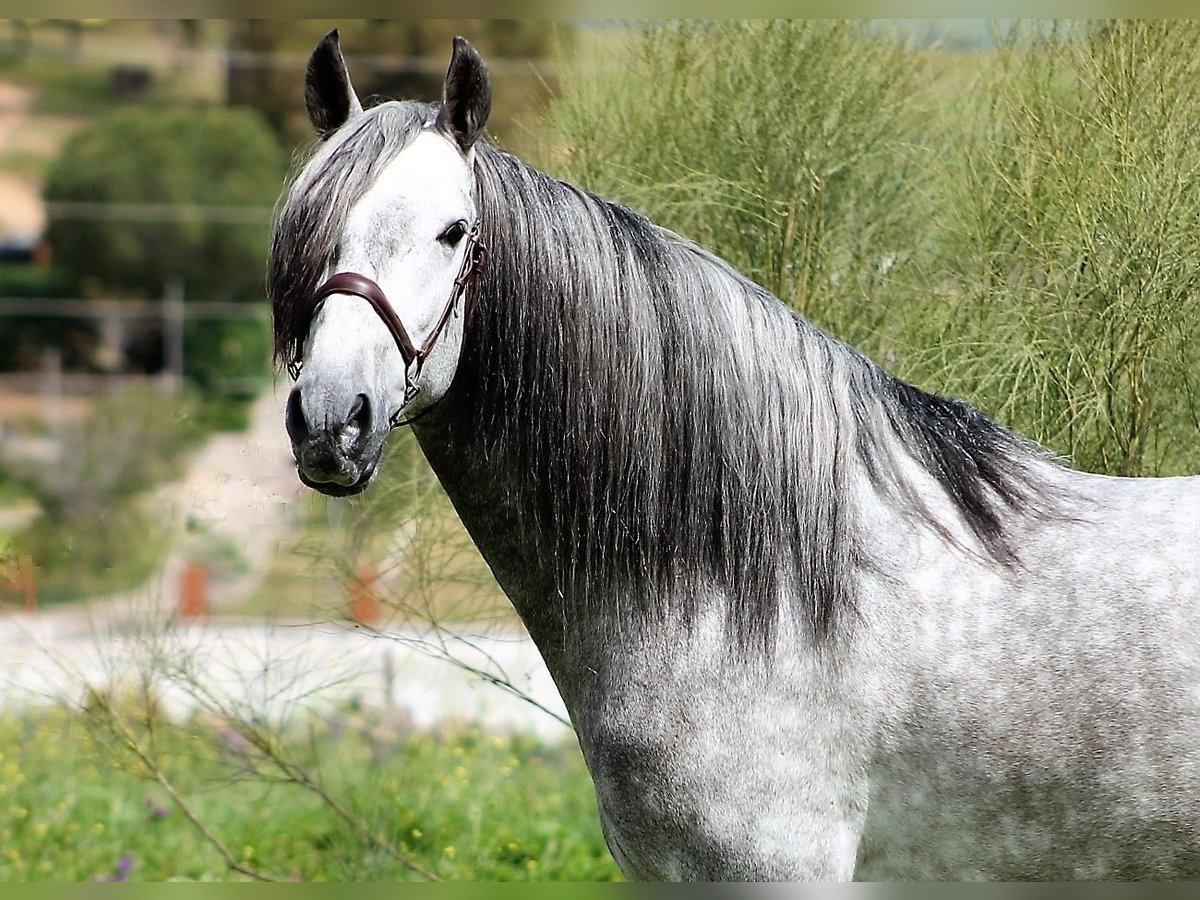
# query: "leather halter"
473,264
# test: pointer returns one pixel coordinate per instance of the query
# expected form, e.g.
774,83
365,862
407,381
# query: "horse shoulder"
708,768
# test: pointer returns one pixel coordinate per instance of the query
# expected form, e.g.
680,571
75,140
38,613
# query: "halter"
473,264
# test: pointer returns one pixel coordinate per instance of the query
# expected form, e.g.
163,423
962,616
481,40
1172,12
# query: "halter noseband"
473,264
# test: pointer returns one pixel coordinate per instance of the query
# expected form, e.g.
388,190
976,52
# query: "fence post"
173,314
364,601
193,594
28,578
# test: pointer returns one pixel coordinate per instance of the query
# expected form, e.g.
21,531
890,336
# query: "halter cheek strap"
473,264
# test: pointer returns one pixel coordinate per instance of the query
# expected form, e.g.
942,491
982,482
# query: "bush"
227,359
218,157
105,550
786,147
97,532
1018,228
1071,248
24,338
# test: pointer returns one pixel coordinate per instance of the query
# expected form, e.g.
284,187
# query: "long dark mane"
672,431
680,432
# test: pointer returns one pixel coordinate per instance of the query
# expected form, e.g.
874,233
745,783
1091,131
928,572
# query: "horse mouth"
336,489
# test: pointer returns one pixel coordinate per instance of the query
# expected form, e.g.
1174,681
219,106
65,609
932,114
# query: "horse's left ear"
328,94
466,96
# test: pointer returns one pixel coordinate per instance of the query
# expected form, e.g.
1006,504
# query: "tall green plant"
786,147
1072,249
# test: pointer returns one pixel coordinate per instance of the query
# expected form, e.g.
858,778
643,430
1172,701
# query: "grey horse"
810,622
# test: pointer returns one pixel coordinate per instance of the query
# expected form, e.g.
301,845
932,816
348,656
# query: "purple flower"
124,867
157,810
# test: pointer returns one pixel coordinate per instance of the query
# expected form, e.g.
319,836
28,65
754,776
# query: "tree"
204,182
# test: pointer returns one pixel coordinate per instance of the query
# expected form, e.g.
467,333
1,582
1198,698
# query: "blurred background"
1000,211
139,166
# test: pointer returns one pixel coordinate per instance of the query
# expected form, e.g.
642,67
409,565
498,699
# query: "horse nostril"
360,414
294,421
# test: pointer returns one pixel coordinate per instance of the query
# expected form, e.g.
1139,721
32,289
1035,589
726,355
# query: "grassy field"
77,805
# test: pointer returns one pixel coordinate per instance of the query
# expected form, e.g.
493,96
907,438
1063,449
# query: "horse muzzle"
335,454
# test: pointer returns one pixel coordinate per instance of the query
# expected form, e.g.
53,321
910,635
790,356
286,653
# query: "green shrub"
110,548
1018,228
97,531
227,359
1071,244
786,147
214,157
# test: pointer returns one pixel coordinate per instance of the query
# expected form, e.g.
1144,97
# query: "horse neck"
643,426
485,497
637,434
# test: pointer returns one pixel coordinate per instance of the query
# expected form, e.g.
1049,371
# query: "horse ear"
328,94
466,96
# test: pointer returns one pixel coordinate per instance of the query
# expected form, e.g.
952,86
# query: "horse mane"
669,429
676,429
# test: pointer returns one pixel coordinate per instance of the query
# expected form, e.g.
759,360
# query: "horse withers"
810,622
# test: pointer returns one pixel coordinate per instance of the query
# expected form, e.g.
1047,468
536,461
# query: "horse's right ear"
466,96
328,94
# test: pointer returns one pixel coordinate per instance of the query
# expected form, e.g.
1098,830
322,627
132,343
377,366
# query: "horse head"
378,341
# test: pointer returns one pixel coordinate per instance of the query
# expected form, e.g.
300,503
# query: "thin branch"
134,746
294,773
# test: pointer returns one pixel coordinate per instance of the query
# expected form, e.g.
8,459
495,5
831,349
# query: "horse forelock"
314,207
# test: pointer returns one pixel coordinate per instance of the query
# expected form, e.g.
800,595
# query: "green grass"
461,804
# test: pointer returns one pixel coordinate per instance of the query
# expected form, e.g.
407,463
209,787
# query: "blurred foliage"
227,358
98,530
396,59
111,548
217,157
23,339
88,66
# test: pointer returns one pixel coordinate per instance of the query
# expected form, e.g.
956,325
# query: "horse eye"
453,233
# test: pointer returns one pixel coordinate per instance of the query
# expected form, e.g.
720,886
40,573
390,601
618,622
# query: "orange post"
28,583
364,601
193,594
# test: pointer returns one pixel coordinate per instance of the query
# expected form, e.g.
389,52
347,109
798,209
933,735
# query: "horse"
810,622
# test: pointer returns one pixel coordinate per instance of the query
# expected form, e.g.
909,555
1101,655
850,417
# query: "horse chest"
707,772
